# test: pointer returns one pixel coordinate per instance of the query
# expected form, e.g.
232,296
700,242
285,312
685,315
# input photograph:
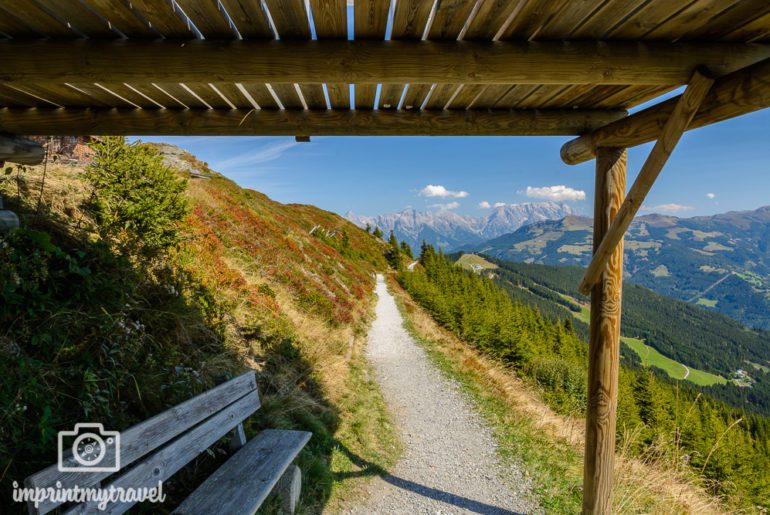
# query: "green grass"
709,303
675,370
468,260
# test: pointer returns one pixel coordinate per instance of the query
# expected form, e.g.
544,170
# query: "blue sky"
714,169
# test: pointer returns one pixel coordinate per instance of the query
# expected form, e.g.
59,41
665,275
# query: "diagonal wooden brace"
685,109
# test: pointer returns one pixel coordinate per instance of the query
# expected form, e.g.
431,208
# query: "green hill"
721,262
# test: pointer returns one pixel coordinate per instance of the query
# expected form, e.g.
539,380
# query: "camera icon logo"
89,448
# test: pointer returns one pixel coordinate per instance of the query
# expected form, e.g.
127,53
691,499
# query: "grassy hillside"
90,333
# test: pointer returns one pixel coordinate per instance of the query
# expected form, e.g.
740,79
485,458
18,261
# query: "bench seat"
243,483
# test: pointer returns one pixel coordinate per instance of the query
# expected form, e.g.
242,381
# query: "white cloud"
712,196
668,208
557,193
264,154
484,204
437,190
442,207
499,204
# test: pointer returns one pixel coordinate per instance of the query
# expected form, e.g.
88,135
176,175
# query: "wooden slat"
514,96
491,17
20,150
395,62
288,96
234,95
313,95
604,340
572,15
466,95
541,96
210,96
531,18
450,18
692,17
164,463
65,95
142,438
122,17
131,95
390,96
649,17
729,20
36,18
611,14
15,28
415,96
249,18
163,18
155,94
10,97
243,483
261,95
335,122
569,97
75,14
370,18
686,107
489,96
207,17
756,30
736,94
331,22
290,18
441,96
179,96
100,96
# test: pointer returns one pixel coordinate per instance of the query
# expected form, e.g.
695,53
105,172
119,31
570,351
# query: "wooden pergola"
403,67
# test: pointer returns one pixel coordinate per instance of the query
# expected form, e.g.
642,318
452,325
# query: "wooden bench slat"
146,436
166,462
243,483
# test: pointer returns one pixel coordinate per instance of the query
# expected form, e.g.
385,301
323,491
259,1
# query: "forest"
728,449
689,334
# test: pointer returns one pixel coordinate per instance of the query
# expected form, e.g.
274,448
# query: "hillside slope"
89,334
721,262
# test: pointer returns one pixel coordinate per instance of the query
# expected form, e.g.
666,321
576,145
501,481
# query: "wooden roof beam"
20,150
343,122
369,62
738,93
686,107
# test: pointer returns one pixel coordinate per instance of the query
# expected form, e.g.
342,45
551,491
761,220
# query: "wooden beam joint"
686,107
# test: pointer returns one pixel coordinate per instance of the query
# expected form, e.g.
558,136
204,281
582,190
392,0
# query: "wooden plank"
729,20
75,14
20,150
163,18
290,19
210,96
62,95
313,95
142,438
489,96
450,18
249,18
491,17
531,18
604,340
243,483
180,96
37,18
166,462
608,16
15,28
14,97
646,19
99,95
691,18
123,17
685,109
260,94
131,95
441,95
409,22
395,62
151,92
288,96
515,95
736,94
370,18
207,17
270,122
233,94
573,15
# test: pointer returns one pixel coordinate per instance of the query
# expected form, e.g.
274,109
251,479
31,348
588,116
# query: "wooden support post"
604,346
20,150
686,107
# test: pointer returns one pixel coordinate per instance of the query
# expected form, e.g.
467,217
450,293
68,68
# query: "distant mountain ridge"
448,230
720,262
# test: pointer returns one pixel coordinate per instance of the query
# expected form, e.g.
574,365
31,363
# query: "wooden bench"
157,448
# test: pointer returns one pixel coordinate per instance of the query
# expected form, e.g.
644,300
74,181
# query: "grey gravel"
450,463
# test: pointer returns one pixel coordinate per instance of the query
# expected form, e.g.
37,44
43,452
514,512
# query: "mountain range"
448,230
721,262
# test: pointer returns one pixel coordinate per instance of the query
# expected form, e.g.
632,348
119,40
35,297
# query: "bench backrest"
158,447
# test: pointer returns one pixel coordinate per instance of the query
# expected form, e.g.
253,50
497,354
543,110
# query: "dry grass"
646,484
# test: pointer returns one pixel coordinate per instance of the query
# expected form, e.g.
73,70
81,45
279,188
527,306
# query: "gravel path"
450,464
